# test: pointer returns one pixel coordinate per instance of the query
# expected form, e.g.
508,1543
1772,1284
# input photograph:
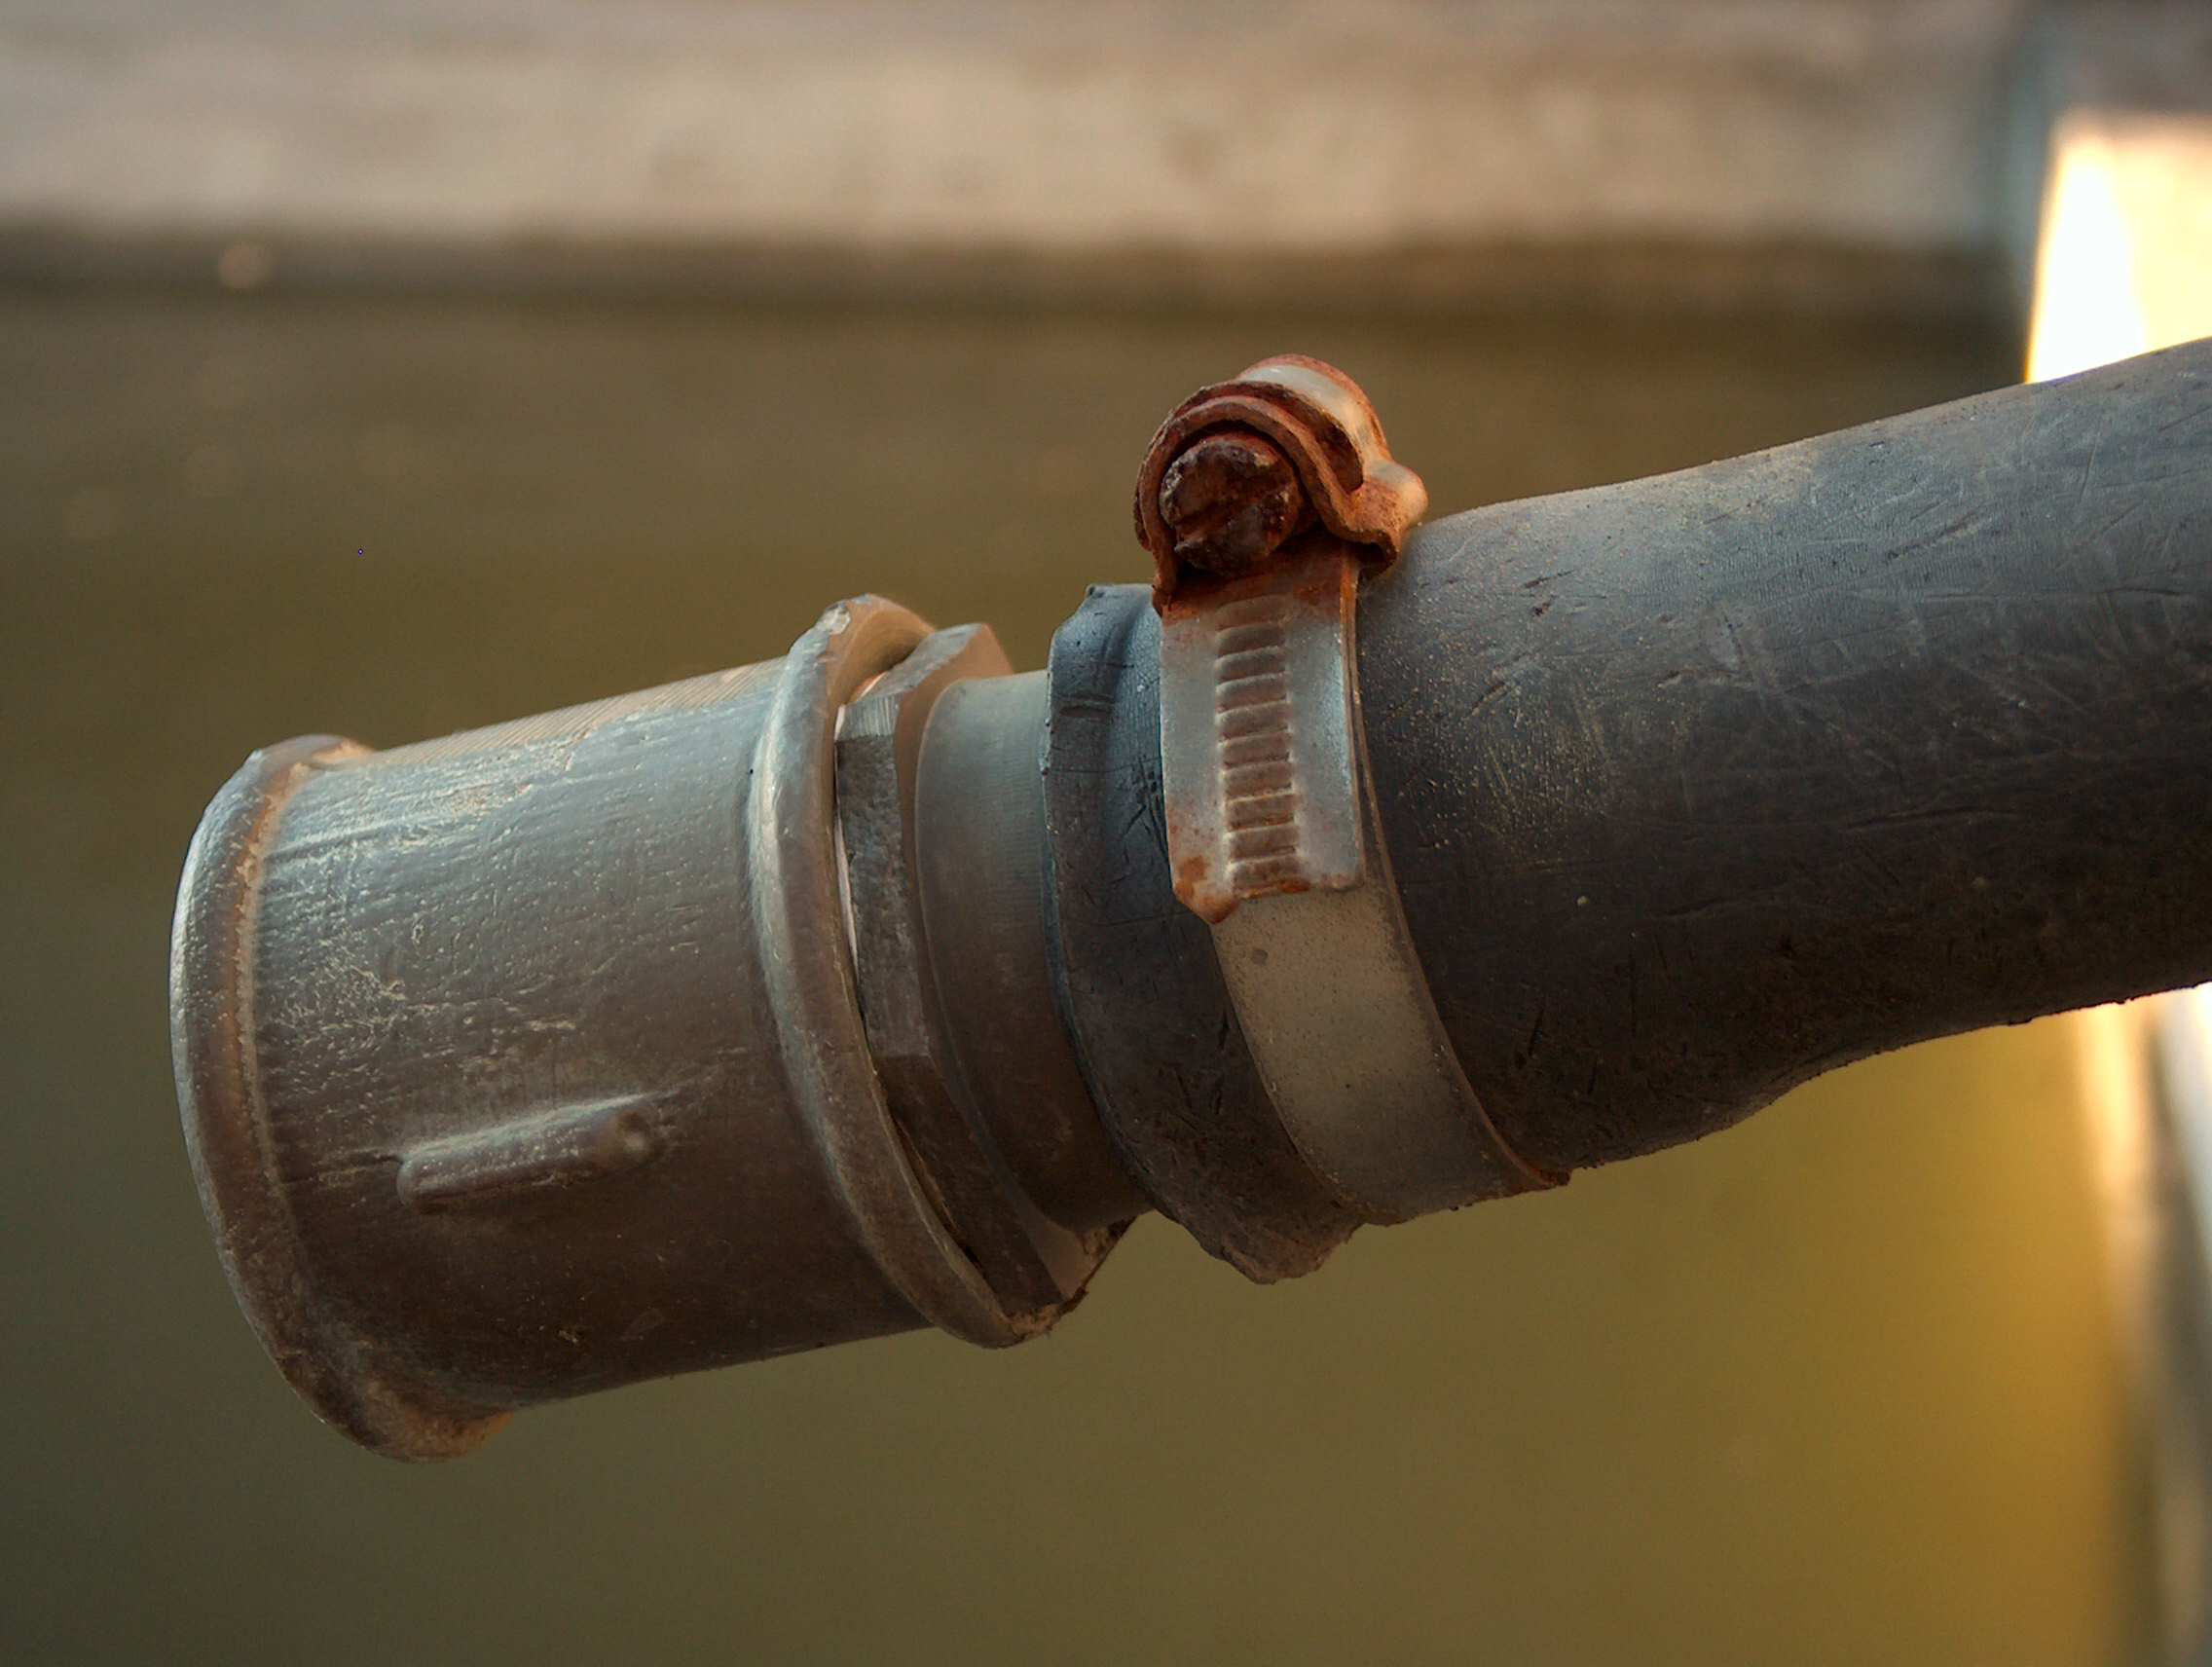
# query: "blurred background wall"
1865,151
394,369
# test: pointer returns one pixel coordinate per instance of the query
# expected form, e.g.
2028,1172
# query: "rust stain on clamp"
1230,463
1272,831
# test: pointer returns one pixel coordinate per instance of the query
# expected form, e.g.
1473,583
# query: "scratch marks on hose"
2090,464
2195,414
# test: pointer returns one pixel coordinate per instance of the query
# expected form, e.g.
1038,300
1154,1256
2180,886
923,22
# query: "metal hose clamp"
1262,500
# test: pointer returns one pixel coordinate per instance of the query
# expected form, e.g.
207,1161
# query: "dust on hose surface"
1699,785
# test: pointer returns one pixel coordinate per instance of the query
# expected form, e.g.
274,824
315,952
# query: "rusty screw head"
1231,501
1241,467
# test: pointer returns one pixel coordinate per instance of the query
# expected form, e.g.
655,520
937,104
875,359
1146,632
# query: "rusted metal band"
1271,834
1135,973
1261,500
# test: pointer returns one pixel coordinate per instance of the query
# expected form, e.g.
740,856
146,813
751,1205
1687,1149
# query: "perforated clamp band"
1271,831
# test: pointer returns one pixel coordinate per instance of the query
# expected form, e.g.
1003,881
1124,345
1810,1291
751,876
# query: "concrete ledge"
1125,146
1335,126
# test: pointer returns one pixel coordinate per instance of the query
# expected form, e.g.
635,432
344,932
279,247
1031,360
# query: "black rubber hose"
1700,785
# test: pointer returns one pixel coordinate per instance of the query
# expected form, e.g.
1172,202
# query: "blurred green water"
1838,1385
